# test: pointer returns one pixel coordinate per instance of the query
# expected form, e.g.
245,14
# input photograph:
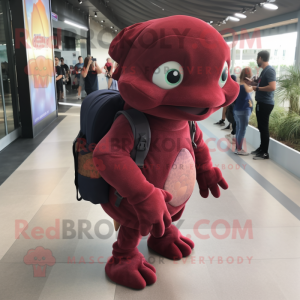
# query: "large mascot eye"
168,75
224,75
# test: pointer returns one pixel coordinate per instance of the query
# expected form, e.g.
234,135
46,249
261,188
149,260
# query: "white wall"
70,57
100,41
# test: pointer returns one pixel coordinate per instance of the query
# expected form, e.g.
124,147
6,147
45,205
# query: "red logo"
39,258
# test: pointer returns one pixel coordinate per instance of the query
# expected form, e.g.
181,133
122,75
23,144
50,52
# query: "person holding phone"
264,87
90,73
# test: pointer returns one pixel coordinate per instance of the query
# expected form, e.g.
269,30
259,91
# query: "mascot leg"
172,244
128,266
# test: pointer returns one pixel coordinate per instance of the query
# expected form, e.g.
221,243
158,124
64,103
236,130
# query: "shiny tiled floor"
41,194
71,97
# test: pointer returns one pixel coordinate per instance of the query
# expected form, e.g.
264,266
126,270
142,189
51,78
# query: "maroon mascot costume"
174,70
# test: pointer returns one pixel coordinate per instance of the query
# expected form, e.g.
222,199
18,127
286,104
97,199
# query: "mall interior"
63,78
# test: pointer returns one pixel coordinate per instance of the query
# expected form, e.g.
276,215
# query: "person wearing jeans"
264,87
242,111
241,119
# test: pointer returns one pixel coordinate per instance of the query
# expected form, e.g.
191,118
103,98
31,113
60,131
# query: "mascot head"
175,67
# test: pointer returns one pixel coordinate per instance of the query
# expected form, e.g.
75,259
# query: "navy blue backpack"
98,112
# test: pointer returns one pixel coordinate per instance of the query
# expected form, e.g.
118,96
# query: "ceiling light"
270,6
157,5
211,22
79,1
111,26
224,21
234,19
253,10
244,11
76,25
116,30
95,15
102,21
240,15
219,23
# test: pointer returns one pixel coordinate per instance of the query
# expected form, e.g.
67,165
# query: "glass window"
6,88
281,47
2,123
5,85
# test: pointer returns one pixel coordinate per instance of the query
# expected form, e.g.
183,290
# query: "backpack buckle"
119,199
142,145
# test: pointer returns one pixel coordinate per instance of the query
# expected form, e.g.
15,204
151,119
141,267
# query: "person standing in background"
242,110
90,74
222,121
231,120
66,68
264,88
114,83
78,68
58,78
109,70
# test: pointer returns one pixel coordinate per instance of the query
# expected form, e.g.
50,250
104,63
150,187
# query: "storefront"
32,32
70,42
70,31
9,102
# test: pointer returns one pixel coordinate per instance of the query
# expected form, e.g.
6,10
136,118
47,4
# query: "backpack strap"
75,155
141,134
142,138
193,132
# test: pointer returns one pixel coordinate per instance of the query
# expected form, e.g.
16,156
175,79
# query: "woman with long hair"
90,74
242,110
